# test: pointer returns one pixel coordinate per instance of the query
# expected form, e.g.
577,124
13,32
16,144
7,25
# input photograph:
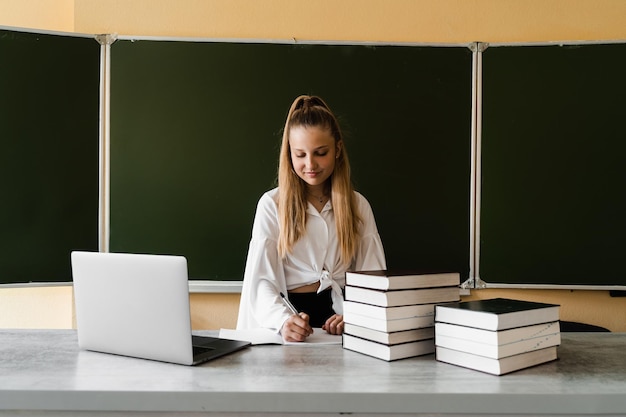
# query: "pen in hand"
288,304
295,332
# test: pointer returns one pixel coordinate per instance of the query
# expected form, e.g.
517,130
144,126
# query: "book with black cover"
389,338
388,352
496,366
391,298
401,279
394,325
498,351
496,313
388,313
496,338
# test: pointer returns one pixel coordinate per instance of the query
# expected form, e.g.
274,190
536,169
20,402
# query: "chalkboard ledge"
195,286
599,287
35,284
198,286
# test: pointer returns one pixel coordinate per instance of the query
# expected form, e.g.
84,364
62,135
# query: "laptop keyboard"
202,344
198,350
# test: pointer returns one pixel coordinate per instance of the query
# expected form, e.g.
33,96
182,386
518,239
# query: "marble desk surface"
43,370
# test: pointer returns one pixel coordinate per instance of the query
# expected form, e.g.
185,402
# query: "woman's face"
313,154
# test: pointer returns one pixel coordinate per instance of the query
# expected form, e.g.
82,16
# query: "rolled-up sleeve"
315,257
370,255
264,278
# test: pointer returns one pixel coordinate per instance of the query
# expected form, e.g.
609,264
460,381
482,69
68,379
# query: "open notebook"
268,337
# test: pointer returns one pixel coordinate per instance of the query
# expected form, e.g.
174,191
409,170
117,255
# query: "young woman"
307,232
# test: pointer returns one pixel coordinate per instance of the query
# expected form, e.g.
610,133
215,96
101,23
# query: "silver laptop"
138,305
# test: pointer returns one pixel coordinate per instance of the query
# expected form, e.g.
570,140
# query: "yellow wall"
456,21
422,21
52,308
52,15
36,307
214,311
445,21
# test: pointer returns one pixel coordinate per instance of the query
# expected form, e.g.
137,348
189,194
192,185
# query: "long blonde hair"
292,204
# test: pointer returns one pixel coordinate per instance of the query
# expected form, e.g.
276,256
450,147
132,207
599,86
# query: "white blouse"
315,257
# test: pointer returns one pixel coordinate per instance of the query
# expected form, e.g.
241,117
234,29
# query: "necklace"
320,198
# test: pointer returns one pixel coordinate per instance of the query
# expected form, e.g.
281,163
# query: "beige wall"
422,21
214,311
36,307
445,21
359,20
51,15
52,308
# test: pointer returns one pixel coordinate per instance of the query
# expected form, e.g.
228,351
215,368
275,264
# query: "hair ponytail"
292,203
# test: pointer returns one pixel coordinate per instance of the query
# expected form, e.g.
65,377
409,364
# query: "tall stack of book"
390,315
498,335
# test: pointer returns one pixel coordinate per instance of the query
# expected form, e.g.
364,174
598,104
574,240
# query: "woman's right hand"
296,328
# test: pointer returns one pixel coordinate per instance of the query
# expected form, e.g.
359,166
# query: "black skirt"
319,307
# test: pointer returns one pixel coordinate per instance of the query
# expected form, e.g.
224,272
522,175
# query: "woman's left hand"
334,325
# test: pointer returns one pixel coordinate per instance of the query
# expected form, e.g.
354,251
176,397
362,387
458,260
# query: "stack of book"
498,335
390,315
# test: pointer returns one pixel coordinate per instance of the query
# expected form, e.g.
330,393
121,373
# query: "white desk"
43,371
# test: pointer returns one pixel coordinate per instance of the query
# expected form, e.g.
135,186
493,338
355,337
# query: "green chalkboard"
196,128
554,165
49,88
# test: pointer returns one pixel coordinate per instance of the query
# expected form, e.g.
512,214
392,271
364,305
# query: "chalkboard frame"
463,268
475,256
546,268
50,196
